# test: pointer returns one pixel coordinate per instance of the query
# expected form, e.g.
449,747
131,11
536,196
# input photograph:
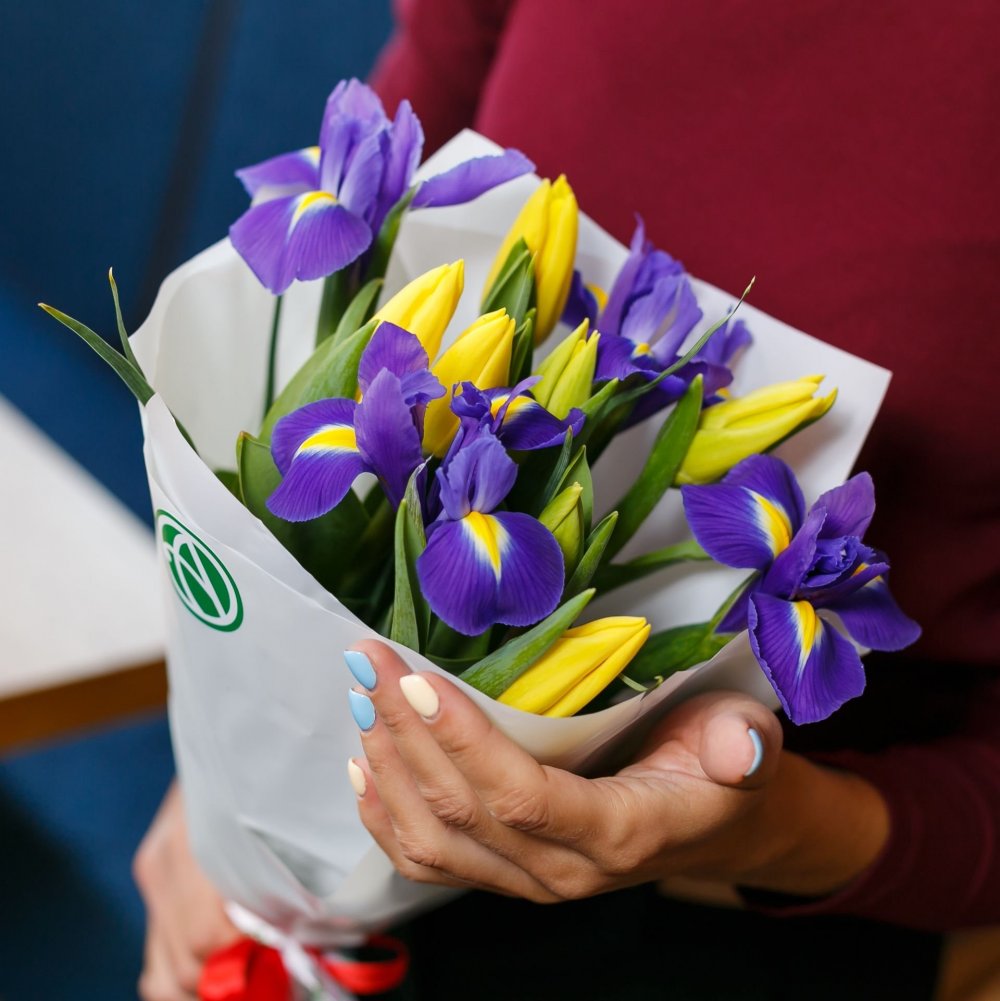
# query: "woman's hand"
185,919
451,800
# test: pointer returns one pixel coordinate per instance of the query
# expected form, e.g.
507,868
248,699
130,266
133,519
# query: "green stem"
272,354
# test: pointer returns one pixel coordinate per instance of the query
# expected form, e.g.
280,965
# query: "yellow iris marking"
310,201
312,154
775,523
488,535
517,404
641,349
807,625
497,404
338,437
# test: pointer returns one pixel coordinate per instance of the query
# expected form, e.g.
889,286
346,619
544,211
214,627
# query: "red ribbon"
250,971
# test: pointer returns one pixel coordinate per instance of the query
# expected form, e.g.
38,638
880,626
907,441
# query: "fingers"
159,980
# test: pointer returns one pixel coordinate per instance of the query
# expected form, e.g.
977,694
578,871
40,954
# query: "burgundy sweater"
847,154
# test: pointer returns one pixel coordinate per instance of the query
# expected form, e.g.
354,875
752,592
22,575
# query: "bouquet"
441,406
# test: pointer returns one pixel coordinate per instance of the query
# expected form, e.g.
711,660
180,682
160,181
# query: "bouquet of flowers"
441,406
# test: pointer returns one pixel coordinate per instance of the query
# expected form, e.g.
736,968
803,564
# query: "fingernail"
357,776
362,710
758,752
361,668
420,695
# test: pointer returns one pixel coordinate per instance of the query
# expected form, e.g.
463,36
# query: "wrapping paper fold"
259,714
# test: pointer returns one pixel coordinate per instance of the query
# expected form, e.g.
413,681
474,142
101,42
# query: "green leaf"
381,249
125,369
358,313
230,479
514,288
522,351
674,650
672,443
324,546
411,616
593,553
122,332
614,575
331,370
578,471
495,673
338,290
538,475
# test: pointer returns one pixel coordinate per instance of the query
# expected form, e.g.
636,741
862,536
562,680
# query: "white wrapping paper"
258,704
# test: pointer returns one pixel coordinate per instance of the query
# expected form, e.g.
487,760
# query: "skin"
452,801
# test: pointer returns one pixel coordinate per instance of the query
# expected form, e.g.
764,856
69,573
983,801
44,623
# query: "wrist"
815,830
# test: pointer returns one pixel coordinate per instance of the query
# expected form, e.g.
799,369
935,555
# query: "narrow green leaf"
381,249
593,553
674,650
578,471
230,479
614,575
126,371
672,443
331,370
411,616
495,673
325,546
122,332
522,352
538,475
514,288
359,312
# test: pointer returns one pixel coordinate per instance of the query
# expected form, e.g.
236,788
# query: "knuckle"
452,809
420,850
521,809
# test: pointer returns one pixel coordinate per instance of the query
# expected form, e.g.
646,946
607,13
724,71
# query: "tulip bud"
548,224
730,431
578,666
563,517
481,355
426,305
567,375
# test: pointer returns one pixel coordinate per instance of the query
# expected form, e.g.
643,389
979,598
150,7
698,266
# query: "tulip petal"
297,427
849,507
316,483
872,617
470,179
735,525
812,668
531,570
387,436
287,174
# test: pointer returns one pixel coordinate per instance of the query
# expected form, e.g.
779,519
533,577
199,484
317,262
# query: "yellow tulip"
730,431
426,305
548,224
563,517
480,355
567,375
578,666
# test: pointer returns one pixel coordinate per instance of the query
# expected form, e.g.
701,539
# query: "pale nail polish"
758,752
362,710
361,668
421,696
357,776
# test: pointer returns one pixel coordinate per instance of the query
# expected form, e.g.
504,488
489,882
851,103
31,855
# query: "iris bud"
730,431
426,305
567,375
563,517
578,666
481,355
548,224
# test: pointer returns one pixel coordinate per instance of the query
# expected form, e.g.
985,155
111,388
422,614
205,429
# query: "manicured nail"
758,752
362,710
420,695
357,776
361,668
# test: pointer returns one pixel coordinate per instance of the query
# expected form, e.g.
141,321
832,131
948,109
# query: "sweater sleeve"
940,868
439,58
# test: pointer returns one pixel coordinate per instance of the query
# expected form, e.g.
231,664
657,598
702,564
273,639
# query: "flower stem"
272,354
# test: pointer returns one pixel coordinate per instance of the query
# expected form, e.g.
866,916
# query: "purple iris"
483,566
520,422
650,311
807,561
323,447
316,210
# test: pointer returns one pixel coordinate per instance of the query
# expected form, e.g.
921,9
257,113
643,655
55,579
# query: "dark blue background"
122,126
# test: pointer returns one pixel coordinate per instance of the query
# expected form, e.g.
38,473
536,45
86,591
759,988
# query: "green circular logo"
206,588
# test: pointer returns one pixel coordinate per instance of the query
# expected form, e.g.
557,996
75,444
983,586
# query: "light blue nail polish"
758,752
362,710
361,668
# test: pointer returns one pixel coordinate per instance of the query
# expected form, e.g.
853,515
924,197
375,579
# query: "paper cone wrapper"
258,686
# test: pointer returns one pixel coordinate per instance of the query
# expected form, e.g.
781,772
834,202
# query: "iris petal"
471,179
531,570
849,507
287,174
392,348
873,618
813,669
294,428
792,564
773,479
316,483
477,478
406,142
